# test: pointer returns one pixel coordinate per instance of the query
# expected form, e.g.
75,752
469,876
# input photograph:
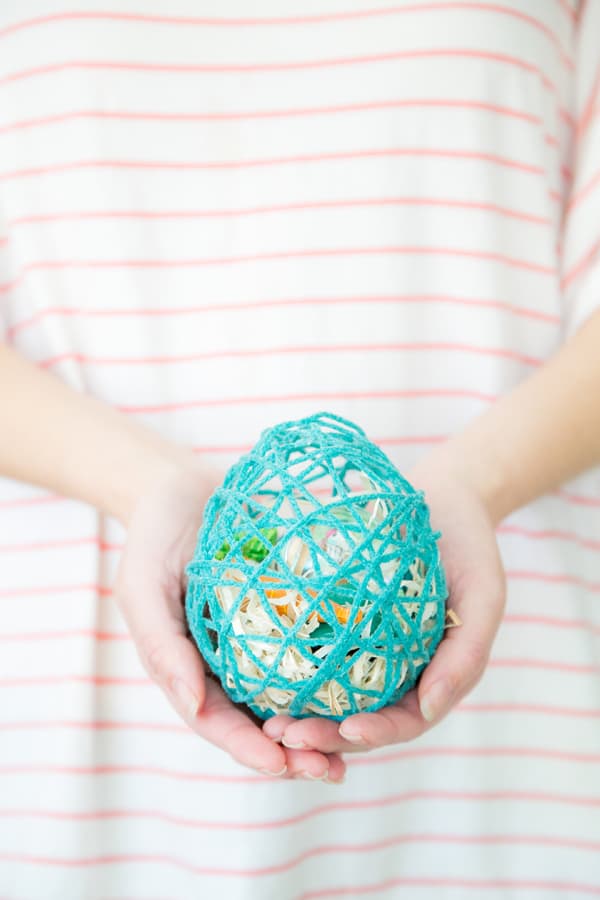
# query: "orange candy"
341,610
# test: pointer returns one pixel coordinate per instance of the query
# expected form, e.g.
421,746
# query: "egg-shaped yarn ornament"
316,587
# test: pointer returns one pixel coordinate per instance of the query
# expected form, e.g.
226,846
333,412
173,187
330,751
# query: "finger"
276,725
394,724
157,626
337,769
316,734
462,656
228,727
362,731
173,662
314,765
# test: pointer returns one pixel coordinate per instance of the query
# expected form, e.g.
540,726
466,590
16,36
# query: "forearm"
543,433
73,444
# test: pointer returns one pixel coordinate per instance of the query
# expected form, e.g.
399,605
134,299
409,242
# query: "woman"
214,219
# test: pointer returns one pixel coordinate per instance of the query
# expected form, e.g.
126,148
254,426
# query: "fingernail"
312,777
435,701
352,737
299,746
271,772
186,698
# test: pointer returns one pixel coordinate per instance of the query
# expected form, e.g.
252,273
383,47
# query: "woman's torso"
216,218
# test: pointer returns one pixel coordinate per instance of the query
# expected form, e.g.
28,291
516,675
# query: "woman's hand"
150,589
476,592
158,490
499,462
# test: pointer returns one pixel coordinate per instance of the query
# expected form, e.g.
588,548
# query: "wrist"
77,445
466,460
149,465
535,437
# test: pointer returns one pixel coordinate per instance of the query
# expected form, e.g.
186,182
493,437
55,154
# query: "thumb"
174,663
462,656
156,622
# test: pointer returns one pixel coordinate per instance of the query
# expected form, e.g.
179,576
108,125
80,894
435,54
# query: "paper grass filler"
316,587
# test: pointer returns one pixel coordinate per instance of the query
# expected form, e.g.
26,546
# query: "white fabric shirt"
220,216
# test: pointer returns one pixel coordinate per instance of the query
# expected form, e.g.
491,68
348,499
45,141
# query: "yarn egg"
316,587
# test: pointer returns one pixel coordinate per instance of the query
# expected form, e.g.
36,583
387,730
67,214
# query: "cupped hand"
150,590
476,586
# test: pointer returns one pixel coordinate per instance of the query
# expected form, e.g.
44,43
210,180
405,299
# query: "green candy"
254,548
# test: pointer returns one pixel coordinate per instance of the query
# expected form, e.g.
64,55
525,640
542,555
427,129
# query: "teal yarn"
316,586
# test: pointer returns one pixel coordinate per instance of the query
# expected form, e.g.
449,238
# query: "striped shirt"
218,216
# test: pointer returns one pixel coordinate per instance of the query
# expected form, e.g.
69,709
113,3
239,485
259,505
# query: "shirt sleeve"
580,259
